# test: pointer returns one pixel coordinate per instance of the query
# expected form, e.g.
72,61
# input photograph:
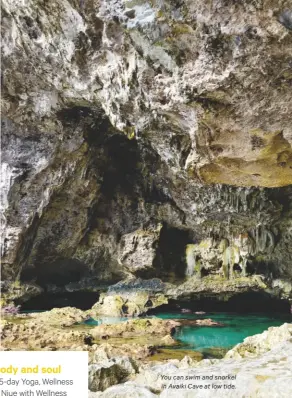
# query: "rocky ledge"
134,328
67,328
135,355
266,374
134,296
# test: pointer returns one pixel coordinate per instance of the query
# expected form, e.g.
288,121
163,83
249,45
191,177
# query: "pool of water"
236,328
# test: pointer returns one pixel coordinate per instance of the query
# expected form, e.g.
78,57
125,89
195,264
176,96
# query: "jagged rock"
261,343
16,291
108,305
138,250
283,286
34,335
118,117
3,322
132,328
105,375
46,330
150,376
127,390
137,284
216,286
110,372
115,349
66,316
263,375
129,303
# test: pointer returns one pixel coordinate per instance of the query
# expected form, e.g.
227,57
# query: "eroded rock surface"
66,316
64,329
267,373
131,297
136,327
131,304
261,343
121,120
124,391
33,336
110,372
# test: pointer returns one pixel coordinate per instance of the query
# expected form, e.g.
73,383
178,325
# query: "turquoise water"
236,328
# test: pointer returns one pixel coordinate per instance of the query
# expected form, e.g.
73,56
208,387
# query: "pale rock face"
265,376
284,286
66,316
128,303
267,373
139,249
261,343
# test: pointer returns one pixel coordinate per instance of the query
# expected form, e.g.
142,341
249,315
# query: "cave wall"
133,129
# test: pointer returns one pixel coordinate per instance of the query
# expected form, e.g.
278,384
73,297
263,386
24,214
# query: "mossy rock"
165,354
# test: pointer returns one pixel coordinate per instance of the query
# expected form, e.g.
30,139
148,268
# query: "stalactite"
243,265
190,259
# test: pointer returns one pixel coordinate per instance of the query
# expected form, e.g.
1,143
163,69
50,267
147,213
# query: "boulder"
128,303
261,343
102,352
138,249
109,372
66,316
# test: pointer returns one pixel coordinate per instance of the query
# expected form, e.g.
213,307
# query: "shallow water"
210,341
236,328
207,339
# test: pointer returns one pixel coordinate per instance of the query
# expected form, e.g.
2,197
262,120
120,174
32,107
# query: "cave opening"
59,273
121,173
172,252
248,302
48,301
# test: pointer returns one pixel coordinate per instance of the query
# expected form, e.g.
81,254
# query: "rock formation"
266,374
261,365
146,139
